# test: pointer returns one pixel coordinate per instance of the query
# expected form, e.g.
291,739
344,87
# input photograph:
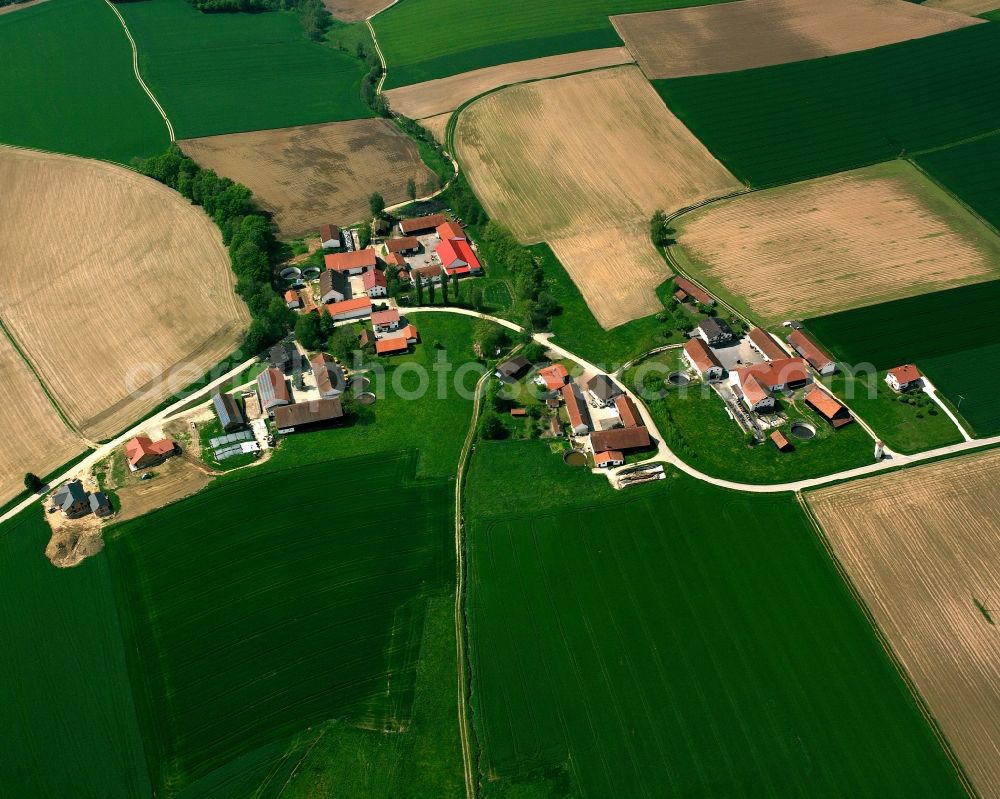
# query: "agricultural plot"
171,313
318,173
921,547
65,700
229,73
522,159
627,648
256,622
973,7
52,104
921,330
971,171
434,97
749,33
492,32
812,118
355,10
829,244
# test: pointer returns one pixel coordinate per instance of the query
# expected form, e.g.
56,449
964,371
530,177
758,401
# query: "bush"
33,482
491,428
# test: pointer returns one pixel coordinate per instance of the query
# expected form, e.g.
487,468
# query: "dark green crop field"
66,708
951,335
227,73
971,171
677,640
427,39
795,121
265,605
67,84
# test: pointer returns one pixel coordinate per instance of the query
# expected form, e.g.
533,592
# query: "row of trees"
253,250
535,303
315,18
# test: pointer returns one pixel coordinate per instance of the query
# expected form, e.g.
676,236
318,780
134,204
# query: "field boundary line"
886,645
138,77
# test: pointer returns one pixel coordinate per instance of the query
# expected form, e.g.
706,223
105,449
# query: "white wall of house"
377,291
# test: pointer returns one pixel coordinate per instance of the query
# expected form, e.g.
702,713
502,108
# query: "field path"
931,391
138,77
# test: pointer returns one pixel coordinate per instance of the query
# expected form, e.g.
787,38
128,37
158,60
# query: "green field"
68,84
930,330
491,32
826,115
676,640
263,606
971,171
227,73
65,700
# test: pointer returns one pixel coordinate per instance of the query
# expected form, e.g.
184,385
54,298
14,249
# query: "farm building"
282,356
329,237
100,505
375,283
827,407
397,260
329,377
410,334
555,427
714,331
353,263
812,352
553,377
334,287
518,413
272,389
627,411
428,274
421,224
457,257
385,321
228,411
781,441
763,342
620,438
700,357
756,395
72,499
510,371
349,309
602,391
579,414
406,245
686,290
142,452
391,346
903,378
290,418
609,459
293,299
451,231
787,373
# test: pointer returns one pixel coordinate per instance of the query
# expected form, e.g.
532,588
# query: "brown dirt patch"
853,239
310,175
176,478
356,10
114,283
437,125
73,540
446,94
588,182
922,546
756,33
971,7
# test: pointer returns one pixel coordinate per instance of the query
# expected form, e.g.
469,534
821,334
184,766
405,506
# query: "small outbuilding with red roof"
457,257
375,282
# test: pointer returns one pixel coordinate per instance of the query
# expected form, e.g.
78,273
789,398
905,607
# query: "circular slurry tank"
366,398
575,458
803,430
678,379
310,272
290,273
359,384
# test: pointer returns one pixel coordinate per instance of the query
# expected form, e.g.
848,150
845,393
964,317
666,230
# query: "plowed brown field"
310,175
550,161
446,94
355,10
755,33
853,239
112,282
922,546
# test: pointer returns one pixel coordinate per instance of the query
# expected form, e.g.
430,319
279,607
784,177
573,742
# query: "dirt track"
756,33
923,547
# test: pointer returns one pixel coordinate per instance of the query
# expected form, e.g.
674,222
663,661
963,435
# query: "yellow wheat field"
111,282
582,162
922,546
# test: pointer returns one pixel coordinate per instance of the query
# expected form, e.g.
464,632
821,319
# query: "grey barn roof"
514,366
333,280
602,386
715,328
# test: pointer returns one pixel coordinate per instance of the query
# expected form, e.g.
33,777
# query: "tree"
431,291
444,292
309,331
418,284
411,189
454,283
659,230
343,342
489,337
476,296
534,352
33,482
491,428
376,204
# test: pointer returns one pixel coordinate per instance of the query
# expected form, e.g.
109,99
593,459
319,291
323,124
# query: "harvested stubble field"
129,300
310,175
964,6
438,125
757,33
355,10
588,183
35,439
922,547
433,97
853,239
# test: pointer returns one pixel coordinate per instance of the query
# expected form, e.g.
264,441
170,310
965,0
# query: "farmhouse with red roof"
142,452
699,356
904,377
553,377
685,289
353,263
608,459
385,321
450,231
764,343
457,257
812,352
375,283
349,309
827,407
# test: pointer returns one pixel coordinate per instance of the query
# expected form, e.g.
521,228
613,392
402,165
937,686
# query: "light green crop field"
491,32
676,640
263,606
65,700
67,84
228,73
